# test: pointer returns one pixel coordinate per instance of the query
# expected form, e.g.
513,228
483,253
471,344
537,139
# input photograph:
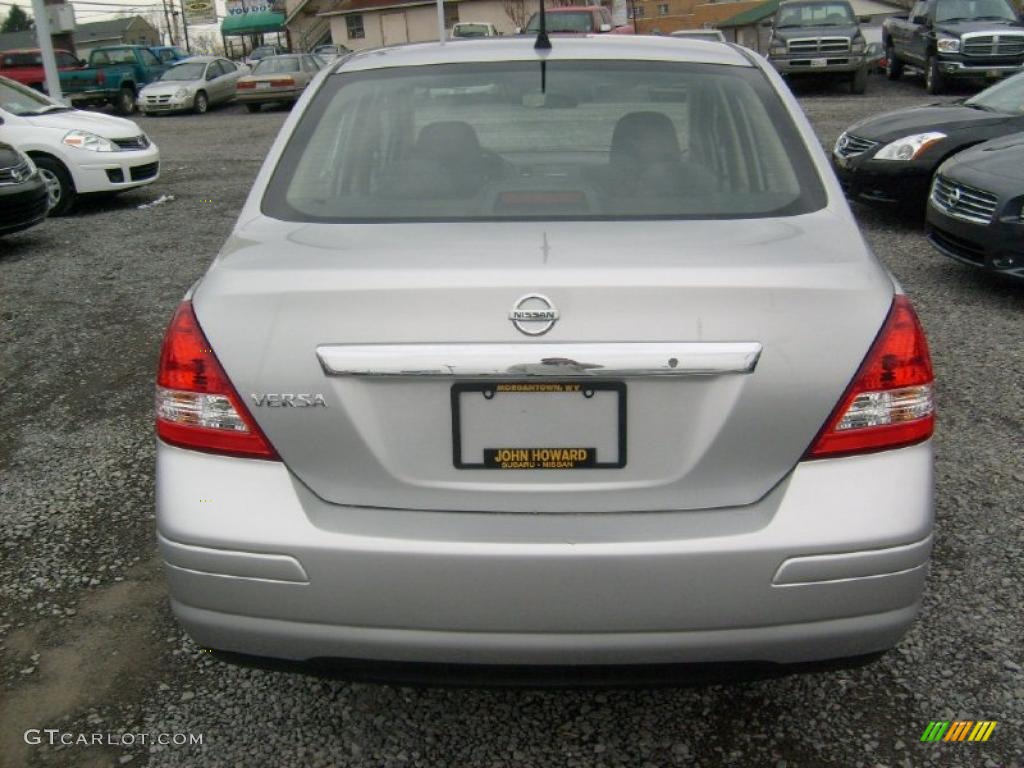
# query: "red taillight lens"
244,84
282,81
196,404
889,403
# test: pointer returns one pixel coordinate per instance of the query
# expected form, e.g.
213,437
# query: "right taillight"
890,402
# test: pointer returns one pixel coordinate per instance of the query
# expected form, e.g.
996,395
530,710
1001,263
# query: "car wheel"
934,83
893,66
253,107
125,102
59,185
201,103
859,81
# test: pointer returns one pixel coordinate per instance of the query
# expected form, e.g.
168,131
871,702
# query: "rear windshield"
572,140
567,21
277,64
471,30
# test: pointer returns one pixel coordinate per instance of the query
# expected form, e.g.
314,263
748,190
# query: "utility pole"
42,24
184,26
440,21
167,23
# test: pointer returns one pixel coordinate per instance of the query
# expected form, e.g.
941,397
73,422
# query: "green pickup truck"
114,75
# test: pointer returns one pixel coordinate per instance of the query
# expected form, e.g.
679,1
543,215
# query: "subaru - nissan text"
546,357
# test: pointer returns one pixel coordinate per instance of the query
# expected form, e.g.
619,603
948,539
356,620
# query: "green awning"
249,23
750,16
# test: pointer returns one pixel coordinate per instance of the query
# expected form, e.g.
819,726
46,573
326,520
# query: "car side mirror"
83,63
605,28
863,19
767,23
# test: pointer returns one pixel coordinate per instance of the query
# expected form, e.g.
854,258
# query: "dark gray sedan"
976,206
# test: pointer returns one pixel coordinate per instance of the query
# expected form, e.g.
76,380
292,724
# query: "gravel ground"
88,645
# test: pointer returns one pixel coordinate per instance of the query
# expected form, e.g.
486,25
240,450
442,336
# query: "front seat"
461,164
646,159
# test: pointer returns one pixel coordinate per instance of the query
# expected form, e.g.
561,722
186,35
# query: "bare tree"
518,11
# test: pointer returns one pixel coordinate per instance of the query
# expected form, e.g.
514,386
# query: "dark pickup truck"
113,76
819,37
953,39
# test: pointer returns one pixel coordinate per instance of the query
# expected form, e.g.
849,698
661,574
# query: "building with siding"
361,24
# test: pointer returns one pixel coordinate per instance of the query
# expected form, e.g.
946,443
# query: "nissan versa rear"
567,357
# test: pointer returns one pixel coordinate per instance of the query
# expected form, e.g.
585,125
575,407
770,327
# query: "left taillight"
196,404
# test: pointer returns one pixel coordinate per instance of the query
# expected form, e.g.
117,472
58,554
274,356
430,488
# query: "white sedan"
77,152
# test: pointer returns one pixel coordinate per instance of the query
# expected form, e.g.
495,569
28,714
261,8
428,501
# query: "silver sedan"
570,357
278,79
195,84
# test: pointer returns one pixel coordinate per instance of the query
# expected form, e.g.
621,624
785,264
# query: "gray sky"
98,10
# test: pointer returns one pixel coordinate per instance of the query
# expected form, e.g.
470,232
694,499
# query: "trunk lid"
279,292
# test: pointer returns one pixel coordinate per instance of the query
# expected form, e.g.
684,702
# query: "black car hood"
999,157
939,117
958,28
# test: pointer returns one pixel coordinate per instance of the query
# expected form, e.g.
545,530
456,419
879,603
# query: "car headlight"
777,46
86,140
858,45
909,147
948,45
181,93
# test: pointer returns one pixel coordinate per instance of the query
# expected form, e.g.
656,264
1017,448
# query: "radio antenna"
543,43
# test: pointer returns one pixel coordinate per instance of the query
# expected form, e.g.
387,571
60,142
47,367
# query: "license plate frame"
458,388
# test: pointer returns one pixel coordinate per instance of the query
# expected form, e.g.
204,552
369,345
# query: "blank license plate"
261,86
819,62
539,425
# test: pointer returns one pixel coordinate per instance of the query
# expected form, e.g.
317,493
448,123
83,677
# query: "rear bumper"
268,96
829,564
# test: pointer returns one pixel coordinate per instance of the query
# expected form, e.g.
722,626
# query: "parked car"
819,38
889,159
447,410
874,58
464,29
277,79
331,51
263,51
77,153
196,85
711,35
572,20
114,76
23,198
976,206
25,66
170,54
955,39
